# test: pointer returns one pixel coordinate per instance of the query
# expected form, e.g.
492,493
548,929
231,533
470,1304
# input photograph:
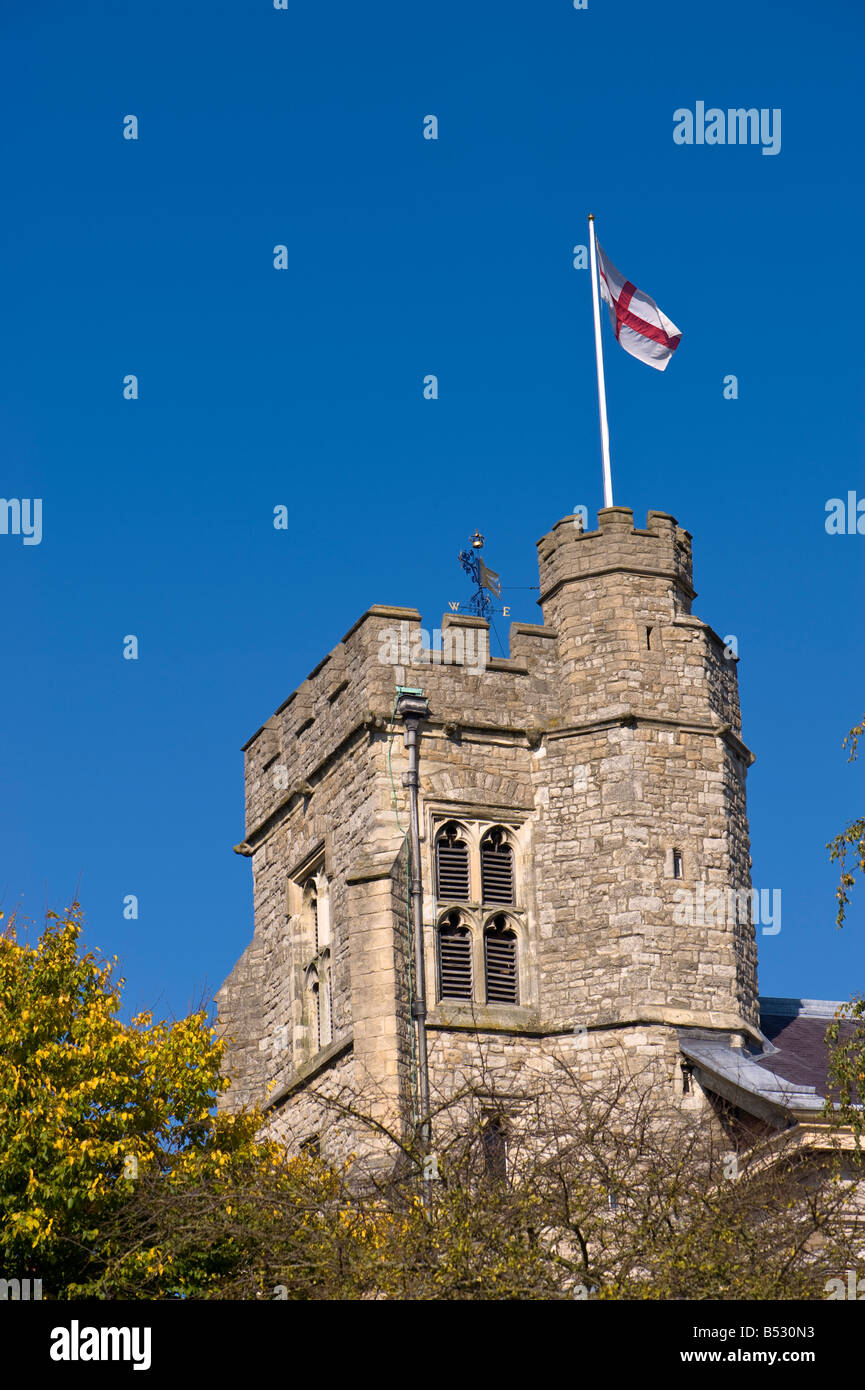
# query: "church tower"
581,802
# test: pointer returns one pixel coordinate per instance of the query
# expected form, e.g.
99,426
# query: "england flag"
638,323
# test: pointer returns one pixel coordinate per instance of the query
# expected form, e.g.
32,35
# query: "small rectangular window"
678,868
495,1149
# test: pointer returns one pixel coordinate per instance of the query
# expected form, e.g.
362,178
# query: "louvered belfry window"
452,866
455,959
500,963
497,869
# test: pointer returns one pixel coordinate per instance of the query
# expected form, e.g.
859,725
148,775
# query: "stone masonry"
606,748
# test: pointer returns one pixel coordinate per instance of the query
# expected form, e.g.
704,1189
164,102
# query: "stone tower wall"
604,750
648,762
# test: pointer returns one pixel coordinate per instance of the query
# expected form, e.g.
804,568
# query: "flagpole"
599,359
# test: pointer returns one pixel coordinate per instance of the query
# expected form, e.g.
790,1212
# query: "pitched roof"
790,1070
797,1028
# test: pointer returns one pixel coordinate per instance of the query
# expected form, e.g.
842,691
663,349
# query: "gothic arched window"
313,1000
452,865
500,962
310,912
494,1147
497,868
325,1000
312,947
454,958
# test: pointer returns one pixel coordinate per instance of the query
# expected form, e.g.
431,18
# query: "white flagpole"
599,358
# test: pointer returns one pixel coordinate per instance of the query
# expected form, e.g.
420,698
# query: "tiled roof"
797,1028
789,1071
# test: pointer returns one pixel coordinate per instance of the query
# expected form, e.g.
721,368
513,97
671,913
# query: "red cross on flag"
638,323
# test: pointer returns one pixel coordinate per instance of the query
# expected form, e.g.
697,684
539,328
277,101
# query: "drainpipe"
412,707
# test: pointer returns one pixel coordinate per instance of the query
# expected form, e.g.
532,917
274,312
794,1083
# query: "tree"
89,1105
846,1071
610,1192
847,1044
851,839
117,1180
263,1226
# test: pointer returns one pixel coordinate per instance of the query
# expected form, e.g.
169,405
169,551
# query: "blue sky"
303,387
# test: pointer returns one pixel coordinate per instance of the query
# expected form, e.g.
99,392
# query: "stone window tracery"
315,957
477,949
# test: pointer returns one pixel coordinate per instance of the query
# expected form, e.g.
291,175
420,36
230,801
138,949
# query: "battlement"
617,627
662,550
351,692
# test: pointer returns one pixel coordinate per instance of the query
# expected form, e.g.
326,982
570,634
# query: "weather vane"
486,582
